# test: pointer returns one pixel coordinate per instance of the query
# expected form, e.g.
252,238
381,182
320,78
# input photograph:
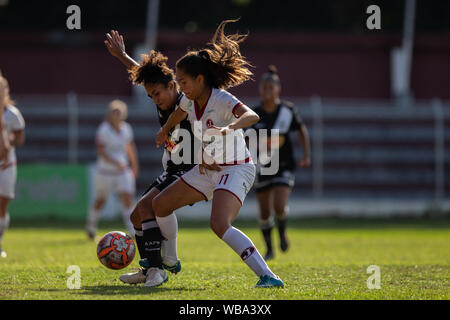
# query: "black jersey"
286,119
163,116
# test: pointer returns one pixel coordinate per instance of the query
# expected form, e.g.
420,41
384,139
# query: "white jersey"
14,122
114,143
219,112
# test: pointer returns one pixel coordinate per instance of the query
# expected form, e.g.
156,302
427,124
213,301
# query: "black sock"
139,235
267,234
281,222
152,242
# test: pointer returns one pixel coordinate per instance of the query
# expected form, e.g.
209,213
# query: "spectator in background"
117,166
273,190
12,134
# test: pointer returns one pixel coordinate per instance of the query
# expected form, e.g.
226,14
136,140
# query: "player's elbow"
254,118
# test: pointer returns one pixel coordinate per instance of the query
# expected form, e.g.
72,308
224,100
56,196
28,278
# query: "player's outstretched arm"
175,118
303,136
116,47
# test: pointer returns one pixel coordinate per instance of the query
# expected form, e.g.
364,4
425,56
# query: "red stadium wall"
334,66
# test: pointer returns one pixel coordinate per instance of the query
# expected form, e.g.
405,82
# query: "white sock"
126,213
4,224
245,248
92,221
169,230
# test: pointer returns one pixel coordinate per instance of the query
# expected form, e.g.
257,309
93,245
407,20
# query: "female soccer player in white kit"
203,75
12,130
117,165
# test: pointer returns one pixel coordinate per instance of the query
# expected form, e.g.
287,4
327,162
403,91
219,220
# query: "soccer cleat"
3,253
173,269
284,243
269,282
134,277
90,234
269,255
156,277
144,263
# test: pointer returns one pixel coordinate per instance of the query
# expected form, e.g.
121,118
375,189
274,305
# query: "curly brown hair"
222,64
152,69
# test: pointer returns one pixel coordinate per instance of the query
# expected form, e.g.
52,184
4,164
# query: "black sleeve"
296,122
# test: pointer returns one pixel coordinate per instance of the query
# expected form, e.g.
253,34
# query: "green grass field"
328,259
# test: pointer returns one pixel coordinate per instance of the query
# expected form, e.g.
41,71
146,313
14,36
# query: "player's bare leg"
177,195
93,217
281,198
149,240
265,202
4,221
225,208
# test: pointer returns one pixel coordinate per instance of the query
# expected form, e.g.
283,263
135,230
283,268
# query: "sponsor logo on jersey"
247,252
170,145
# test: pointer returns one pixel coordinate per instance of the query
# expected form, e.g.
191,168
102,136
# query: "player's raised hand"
115,44
304,162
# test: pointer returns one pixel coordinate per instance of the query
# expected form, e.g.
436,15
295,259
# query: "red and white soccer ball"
116,250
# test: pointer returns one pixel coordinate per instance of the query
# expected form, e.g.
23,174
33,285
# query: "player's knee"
280,209
219,227
135,217
265,214
99,203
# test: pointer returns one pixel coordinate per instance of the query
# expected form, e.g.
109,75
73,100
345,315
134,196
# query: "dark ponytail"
271,75
222,64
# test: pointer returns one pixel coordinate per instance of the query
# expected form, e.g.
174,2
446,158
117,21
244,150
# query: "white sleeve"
229,103
130,135
185,104
101,136
17,121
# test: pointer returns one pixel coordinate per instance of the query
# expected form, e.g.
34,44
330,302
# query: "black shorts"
163,181
282,178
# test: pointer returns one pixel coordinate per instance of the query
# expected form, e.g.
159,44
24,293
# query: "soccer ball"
116,250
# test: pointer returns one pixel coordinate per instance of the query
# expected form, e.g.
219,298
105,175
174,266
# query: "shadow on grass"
109,290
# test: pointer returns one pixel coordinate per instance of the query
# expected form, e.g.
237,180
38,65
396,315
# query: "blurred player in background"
203,75
157,252
117,166
273,190
12,130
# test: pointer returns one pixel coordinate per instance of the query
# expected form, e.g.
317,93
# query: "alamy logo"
210,147
73,22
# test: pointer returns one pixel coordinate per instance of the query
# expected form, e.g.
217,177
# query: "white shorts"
109,182
8,181
236,179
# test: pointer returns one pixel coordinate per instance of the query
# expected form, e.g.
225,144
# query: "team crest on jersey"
247,252
209,123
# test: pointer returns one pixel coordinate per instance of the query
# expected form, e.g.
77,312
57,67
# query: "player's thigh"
265,203
4,204
8,183
177,195
225,208
281,195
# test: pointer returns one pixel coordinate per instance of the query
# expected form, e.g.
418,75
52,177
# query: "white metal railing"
314,110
